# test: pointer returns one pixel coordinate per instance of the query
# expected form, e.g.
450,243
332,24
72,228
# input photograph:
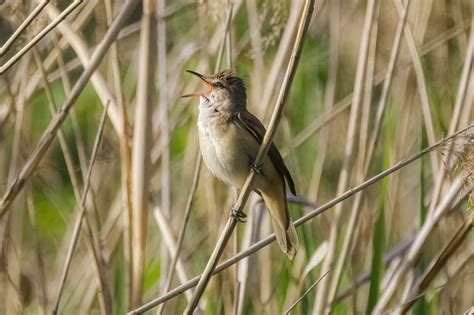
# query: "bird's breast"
220,147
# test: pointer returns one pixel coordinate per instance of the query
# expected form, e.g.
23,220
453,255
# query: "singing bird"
230,137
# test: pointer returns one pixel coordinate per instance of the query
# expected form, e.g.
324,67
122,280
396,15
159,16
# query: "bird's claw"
257,168
238,215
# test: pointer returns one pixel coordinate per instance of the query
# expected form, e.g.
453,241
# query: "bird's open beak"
204,79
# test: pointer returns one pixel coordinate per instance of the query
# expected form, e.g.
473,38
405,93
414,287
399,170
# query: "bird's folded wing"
251,123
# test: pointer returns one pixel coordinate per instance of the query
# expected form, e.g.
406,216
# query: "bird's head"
224,90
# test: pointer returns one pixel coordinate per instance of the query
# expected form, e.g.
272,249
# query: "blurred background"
373,86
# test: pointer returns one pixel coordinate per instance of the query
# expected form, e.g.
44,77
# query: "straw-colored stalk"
142,147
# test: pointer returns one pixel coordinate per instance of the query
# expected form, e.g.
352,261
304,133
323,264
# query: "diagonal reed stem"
23,26
39,36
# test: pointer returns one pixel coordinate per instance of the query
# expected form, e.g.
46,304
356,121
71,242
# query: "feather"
251,123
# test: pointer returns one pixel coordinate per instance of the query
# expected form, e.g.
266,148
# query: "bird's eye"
219,85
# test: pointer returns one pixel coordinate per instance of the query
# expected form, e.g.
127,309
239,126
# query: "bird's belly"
223,156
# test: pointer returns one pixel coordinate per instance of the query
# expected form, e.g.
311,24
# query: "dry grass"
369,128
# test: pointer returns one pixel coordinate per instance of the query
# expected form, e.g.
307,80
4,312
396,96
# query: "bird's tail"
282,225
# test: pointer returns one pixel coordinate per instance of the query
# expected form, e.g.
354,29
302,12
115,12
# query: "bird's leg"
257,168
238,215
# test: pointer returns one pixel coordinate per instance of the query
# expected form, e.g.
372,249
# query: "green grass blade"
377,252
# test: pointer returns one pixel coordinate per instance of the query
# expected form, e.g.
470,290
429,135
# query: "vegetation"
105,205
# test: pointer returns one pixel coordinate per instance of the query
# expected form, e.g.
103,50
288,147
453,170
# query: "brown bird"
230,137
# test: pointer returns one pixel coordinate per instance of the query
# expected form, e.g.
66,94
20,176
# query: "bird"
230,138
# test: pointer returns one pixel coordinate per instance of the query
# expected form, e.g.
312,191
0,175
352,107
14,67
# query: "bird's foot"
238,215
257,168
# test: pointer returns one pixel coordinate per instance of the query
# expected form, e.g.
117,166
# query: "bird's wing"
251,123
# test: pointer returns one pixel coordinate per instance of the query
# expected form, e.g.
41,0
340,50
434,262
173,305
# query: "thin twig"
305,293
